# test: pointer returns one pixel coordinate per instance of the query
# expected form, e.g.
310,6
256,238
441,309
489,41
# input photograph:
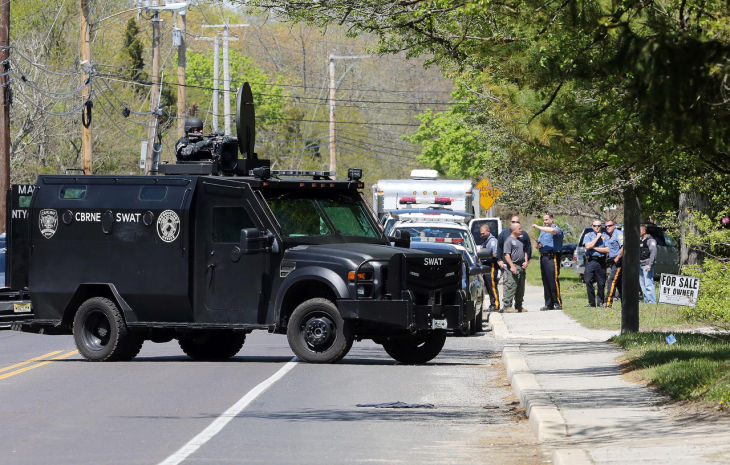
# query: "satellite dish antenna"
245,121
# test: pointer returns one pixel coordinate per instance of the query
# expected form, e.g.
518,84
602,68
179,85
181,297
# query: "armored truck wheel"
415,349
317,333
212,345
101,334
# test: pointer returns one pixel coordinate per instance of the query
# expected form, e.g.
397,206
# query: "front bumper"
403,314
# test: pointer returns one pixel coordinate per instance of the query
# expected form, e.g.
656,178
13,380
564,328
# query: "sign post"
678,290
487,194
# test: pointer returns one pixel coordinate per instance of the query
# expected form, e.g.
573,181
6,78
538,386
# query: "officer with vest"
596,250
489,243
192,146
647,250
615,245
549,243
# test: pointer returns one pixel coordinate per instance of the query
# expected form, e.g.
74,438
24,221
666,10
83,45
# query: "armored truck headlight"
361,276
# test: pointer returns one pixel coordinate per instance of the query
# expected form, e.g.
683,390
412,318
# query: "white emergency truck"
423,190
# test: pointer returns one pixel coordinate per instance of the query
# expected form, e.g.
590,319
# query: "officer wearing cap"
549,244
596,250
489,244
192,146
615,245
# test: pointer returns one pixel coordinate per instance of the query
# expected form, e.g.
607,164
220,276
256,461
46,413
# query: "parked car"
566,255
472,276
667,257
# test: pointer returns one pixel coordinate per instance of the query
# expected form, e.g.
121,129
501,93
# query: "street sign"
678,290
487,194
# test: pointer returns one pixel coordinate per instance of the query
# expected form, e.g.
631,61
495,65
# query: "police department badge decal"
168,225
48,222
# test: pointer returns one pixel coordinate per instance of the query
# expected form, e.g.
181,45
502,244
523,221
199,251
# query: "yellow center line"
30,367
34,359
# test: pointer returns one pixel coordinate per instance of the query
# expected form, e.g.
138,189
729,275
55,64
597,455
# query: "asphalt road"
259,407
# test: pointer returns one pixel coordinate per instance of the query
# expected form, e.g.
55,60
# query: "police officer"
615,245
647,250
489,243
549,244
192,146
596,250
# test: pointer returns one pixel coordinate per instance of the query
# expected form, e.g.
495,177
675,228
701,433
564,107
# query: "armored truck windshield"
311,217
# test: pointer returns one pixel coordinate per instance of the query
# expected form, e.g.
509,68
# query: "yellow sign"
487,194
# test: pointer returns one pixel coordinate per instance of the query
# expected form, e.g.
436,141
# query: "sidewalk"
570,383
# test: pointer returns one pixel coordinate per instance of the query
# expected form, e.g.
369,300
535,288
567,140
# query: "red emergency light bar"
442,200
407,200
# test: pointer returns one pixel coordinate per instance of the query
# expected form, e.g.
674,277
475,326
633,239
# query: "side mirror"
484,254
253,240
476,270
401,239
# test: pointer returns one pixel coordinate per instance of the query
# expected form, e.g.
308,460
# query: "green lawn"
695,368
574,296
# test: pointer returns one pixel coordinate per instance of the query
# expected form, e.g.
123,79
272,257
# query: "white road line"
219,423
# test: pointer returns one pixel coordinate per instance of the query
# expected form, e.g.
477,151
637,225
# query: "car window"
438,234
669,241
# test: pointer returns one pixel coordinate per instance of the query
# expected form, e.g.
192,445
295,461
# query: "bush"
713,304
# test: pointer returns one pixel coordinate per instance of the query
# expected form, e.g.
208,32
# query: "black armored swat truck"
206,259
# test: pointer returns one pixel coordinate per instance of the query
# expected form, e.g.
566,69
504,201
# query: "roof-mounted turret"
222,159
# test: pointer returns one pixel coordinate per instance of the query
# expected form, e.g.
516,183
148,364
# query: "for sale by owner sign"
678,290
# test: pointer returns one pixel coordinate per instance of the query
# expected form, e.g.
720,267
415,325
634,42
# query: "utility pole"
333,144
333,86
86,91
214,123
4,109
226,77
181,65
156,6
154,93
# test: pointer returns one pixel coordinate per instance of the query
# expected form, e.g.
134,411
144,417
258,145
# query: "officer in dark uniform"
549,244
596,250
192,146
615,246
489,243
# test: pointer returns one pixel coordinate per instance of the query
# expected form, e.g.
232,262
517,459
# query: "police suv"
206,259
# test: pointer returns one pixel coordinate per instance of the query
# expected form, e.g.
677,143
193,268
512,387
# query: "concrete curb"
545,418
571,457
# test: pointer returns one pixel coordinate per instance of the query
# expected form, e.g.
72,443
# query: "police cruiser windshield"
312,217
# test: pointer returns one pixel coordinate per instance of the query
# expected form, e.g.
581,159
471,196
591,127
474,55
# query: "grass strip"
695,368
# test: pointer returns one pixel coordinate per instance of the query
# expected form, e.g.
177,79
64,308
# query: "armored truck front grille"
432,279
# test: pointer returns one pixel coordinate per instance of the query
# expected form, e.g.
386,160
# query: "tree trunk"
630,283
689,202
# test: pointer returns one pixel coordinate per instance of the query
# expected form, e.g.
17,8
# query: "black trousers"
550,271
491,280
614,282
596,273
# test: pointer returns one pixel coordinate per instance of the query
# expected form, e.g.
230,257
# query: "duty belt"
597,259
549,254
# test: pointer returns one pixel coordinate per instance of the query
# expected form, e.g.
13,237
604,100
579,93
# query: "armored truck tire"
100,333
212,345
317,333
415,349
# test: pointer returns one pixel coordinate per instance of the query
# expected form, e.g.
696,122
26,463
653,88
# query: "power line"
194,86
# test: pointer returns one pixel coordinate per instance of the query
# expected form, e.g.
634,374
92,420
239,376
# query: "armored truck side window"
228,222
299,217
153,193
73,192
